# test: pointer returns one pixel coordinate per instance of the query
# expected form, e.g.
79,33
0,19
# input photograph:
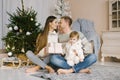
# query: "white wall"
42,7
95,10
0,23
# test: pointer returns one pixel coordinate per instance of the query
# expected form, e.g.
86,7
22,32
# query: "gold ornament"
20,30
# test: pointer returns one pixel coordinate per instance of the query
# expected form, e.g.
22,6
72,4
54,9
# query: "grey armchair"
87,28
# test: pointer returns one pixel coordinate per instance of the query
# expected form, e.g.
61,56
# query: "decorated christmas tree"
62,8
23,30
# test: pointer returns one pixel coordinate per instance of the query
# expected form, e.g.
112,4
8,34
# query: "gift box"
55,48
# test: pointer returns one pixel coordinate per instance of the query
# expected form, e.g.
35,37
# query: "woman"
48,35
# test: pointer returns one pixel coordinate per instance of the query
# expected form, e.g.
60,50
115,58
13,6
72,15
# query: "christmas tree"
23,30
62,8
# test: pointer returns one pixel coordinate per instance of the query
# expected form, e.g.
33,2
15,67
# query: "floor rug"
99,72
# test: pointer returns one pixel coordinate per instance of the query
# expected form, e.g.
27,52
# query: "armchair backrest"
85,26
82,24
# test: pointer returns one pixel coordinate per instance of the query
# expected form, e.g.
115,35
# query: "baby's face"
73,40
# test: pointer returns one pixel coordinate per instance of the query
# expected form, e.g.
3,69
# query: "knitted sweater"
71,56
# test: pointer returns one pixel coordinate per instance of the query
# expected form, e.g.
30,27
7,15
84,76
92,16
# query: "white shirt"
52,37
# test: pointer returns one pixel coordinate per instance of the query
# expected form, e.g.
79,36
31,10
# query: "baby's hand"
75,52
81,60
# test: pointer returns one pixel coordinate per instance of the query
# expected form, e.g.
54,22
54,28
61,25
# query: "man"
59,61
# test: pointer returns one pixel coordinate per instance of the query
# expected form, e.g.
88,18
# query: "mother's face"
54,24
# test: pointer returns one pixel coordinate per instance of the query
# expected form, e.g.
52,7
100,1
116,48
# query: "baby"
73,49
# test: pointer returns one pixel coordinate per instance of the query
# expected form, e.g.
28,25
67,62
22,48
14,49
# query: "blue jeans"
59,61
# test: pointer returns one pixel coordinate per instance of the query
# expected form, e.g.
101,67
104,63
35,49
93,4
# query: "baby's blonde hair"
73,34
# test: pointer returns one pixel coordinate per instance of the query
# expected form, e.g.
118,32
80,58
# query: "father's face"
62,23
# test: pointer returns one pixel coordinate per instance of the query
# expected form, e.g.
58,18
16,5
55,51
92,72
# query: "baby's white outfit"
70,55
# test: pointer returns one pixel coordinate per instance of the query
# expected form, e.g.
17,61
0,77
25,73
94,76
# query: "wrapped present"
54,48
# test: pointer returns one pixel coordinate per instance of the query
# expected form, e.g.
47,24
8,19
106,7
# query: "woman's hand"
45,51
62,54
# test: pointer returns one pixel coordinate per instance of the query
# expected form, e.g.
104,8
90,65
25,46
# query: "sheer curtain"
43,8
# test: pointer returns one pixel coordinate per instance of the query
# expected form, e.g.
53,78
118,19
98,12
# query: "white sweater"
70,55
52,38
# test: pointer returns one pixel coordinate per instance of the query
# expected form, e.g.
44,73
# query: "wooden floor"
19,74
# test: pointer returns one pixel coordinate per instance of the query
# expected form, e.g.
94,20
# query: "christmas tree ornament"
36,24
10,29
15,28
10,53
28,33
31,19
20,30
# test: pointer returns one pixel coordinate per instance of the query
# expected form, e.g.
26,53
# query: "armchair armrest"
88,49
